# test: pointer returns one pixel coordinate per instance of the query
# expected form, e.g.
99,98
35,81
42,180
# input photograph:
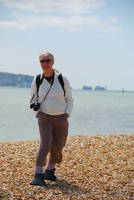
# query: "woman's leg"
45,129
60,133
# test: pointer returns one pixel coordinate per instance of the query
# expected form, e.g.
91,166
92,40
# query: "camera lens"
32,105
36,106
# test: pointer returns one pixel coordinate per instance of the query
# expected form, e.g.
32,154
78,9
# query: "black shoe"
38,180
49,175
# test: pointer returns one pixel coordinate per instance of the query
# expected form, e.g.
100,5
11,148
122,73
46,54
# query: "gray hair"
45,53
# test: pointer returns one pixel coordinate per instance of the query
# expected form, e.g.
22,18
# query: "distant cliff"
16,80
87,87
97,87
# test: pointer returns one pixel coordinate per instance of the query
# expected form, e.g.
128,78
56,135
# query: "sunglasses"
45,61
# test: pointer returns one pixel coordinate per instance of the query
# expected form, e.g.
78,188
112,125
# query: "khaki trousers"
53,135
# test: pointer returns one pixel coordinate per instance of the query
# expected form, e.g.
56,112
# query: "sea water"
94,112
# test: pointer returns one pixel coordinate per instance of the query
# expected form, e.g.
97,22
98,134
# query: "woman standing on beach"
52,102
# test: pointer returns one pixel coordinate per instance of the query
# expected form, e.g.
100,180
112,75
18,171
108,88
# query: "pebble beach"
92,168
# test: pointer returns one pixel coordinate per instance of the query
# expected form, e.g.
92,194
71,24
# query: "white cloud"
62,6
72,23
114,19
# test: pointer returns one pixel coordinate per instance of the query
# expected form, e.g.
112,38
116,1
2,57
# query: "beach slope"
92,167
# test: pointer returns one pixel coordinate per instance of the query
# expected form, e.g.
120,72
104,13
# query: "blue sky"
92,40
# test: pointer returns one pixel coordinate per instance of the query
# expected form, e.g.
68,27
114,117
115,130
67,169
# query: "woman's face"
46,63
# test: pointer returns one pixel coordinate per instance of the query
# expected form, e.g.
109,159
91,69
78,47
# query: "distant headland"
16,80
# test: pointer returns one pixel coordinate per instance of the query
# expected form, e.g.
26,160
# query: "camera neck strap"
51,83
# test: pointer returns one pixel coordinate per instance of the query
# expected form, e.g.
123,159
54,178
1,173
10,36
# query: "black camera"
34,106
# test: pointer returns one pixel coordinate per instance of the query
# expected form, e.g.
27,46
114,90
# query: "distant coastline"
8,79
15,80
